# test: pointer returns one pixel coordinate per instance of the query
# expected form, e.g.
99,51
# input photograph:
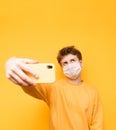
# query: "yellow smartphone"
46,72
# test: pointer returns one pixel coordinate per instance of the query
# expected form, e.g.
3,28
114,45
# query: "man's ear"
81,63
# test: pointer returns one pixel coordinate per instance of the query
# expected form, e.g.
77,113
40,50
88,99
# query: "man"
74,105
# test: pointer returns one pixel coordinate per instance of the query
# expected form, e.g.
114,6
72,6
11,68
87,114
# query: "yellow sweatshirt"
72,107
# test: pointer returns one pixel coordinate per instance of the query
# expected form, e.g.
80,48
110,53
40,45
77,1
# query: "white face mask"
72,70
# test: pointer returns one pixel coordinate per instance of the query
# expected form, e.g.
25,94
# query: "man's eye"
64,64
72,60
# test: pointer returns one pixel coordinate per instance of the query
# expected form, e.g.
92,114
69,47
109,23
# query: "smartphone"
46,72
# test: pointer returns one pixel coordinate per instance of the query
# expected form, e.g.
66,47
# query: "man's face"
71,66
69,59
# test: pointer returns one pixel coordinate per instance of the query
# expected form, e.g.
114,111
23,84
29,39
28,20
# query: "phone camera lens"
49,66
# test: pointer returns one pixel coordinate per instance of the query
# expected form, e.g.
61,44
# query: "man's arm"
97,114
16,69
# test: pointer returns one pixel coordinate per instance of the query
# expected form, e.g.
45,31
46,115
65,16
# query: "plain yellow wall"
38,29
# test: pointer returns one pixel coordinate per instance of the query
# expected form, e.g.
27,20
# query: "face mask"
72,70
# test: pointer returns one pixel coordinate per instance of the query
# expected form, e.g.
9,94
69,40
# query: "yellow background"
37,29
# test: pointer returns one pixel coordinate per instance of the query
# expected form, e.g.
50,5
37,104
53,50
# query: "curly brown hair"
68,50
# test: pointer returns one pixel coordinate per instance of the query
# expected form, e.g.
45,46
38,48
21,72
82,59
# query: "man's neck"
74,81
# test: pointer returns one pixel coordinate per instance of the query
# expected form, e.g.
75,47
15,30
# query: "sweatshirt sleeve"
41,91
97,113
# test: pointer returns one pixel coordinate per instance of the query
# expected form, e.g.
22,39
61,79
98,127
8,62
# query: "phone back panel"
46,72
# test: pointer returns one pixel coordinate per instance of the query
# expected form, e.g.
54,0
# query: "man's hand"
16,70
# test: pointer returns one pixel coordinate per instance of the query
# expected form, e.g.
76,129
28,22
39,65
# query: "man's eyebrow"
64,62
